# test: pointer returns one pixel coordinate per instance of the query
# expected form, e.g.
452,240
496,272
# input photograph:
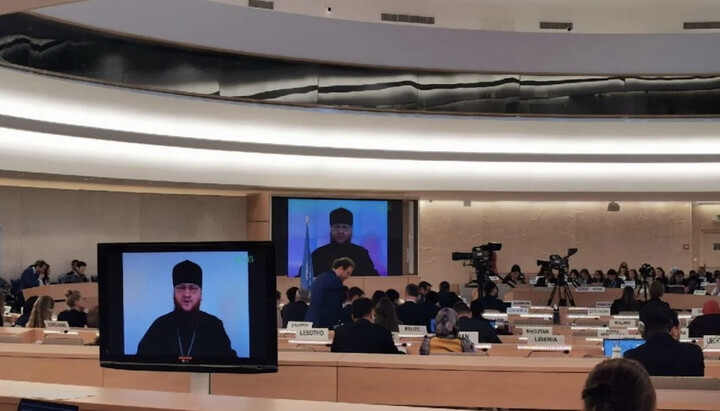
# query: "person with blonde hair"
446,339
618,385
42,311
75,314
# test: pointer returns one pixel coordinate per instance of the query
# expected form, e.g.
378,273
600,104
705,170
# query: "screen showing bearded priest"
341,230
187,331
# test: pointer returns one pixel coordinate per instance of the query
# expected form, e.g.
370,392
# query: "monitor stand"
200,383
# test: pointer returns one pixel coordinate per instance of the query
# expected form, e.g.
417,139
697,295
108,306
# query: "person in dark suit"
31,276
341,245
490,300
429,308
410,313
346,312
662,354
546,277
486,334
656,290
446,297
424,287
612,280
708,323
328,295
626,302
296,309
362,335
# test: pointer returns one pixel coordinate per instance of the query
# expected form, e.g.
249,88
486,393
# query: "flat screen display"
367,231
624,344
197,307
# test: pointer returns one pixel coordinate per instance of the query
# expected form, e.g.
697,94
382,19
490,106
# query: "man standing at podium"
187,332
341,230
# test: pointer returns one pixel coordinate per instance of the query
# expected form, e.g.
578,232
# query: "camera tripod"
562,289
644,286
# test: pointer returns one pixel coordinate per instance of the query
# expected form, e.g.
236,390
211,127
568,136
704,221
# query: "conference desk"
102,399
450,380
539,296
57,292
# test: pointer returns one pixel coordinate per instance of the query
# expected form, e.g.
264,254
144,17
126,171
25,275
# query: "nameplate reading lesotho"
298,325
419,330
473,336
57,325
517,310
623,323
313,334
521,303
613,332
600,312
546,340
537,331
711,342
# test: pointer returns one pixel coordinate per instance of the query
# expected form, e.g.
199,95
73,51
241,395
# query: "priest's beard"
190,316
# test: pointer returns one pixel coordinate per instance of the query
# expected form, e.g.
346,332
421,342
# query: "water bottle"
617,352
556,315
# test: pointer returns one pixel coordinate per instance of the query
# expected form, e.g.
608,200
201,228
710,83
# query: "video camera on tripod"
480,258
561,265
643,287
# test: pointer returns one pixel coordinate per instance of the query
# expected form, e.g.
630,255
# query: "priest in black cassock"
186,331
341,227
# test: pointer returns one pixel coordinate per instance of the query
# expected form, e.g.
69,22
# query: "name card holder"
600,312
696,312
711,343
521,303
517,310
298,325
313,334
603,304
546,340
699,292
528,331
629,284
613,332
412,330
615,323
57,325
473,336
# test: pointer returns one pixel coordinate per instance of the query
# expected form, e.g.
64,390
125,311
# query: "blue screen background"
370,229
148,293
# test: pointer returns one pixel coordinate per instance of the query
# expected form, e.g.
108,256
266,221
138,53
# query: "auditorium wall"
60,225
641,232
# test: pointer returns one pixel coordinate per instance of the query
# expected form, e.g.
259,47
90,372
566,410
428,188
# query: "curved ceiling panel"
55,126
242,29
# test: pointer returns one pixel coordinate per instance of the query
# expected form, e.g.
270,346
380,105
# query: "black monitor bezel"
263,331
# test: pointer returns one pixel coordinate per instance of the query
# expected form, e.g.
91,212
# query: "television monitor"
196,307
368,231
624,344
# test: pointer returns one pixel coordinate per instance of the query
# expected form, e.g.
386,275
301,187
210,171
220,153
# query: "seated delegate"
362,335
663,354
446,339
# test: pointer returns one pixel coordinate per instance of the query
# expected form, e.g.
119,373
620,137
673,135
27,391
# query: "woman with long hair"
626,302
42,311
385,315
75,314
